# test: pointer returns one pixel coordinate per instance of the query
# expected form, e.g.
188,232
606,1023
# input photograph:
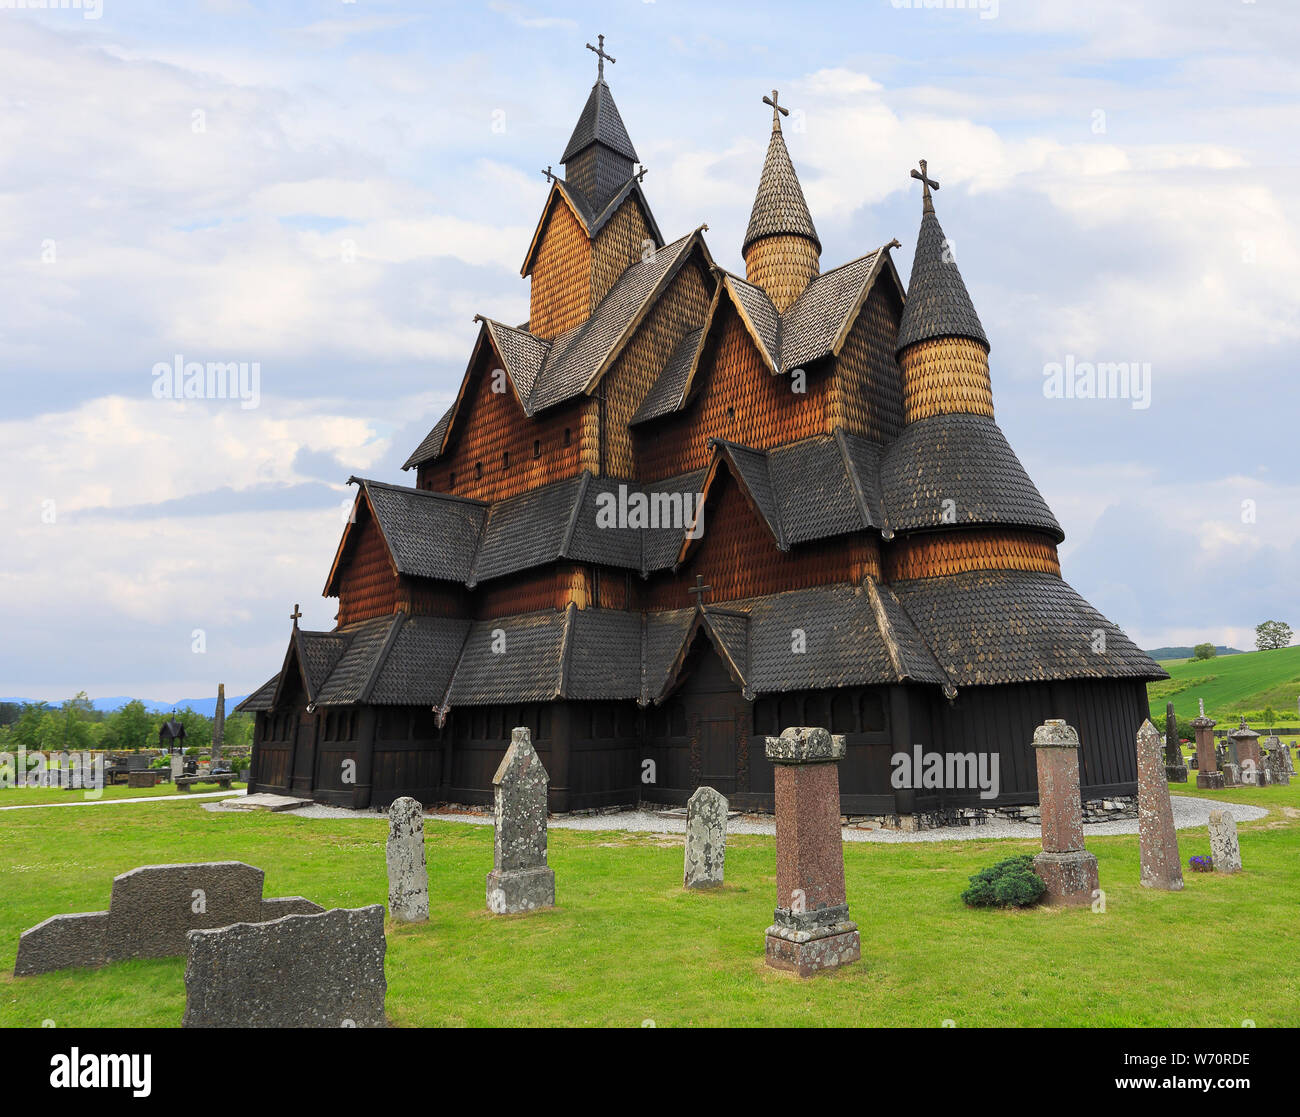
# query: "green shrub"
1010,883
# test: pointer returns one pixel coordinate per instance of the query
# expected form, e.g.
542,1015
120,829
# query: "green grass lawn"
1232,685
24,796
627,944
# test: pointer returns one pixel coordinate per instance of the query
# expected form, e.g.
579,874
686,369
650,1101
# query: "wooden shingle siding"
560,296
620,243
369,583
865,395
954,552
945,376
783,266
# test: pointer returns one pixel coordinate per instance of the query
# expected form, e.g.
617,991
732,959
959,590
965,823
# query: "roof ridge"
398,620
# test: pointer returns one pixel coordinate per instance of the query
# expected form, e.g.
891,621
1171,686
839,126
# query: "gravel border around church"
1188,813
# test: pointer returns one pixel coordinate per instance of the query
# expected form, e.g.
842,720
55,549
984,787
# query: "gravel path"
1188,812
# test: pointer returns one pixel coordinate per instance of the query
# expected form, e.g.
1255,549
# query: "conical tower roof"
600,123
779,207
938,304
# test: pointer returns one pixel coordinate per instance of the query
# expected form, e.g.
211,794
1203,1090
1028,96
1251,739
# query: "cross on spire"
778,110
601,56
699,589
297,612
548,173
926,183
641,173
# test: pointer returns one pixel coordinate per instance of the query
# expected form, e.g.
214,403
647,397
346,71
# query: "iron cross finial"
699,589
601,57
297,612
549,175
641,173
926,184
778,110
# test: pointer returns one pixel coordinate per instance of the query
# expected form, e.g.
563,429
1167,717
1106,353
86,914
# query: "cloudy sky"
333,189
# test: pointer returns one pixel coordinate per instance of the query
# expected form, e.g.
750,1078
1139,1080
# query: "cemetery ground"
627,944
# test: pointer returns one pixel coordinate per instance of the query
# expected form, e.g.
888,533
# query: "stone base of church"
1071,877
516,890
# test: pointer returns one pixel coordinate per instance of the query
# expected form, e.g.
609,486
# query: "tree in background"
131,727
1204,651
1272,634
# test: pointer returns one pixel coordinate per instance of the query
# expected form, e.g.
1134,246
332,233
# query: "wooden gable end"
865,389
621,242
495,451
734,396
560,296
365,576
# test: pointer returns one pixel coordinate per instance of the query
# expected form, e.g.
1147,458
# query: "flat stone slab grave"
266,801
324,970
150,911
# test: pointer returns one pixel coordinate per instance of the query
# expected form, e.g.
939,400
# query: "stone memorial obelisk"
811,929
706,838
1175,765
219,724
1067,869
408,875
1157,838
1207,763
520,880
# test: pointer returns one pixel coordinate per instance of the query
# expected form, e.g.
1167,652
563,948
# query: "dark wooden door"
304,754
718,746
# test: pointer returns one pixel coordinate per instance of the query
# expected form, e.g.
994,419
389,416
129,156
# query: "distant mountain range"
1184,652
205,706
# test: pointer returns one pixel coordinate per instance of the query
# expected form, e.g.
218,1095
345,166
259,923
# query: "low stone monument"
520,880
1207,765
1245,742
1225,851
811,929
1066,868
1277,760
408,877
1157,838
302,971
177,766
1175,765
150,911
706,838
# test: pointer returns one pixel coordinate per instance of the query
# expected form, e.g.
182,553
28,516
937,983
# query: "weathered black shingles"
431,446
600,122
510,659
366,643
779,205
604,658
526,530
814,490
429,535
811,326
1010,626
938,304
669,390
261,699
964,459
419,662
320,652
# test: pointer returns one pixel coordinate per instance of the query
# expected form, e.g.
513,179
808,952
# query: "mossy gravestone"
520,880
706,838
408,877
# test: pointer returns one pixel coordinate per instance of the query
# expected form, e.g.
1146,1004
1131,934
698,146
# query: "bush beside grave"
1009,883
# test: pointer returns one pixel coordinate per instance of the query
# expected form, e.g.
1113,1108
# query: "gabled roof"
779,205
938,304
545,374
600,122
428,535
815,326
261,699
591,220
316,654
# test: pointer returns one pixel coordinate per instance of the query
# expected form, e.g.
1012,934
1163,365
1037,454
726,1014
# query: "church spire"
599,155
781,249
942,348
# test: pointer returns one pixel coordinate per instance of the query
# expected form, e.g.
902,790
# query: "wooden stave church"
853,569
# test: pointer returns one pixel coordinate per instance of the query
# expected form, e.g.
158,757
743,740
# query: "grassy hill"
1232,686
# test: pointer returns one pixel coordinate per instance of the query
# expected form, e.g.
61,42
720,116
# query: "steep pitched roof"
779,205
591,220
261,699
599,122
938,304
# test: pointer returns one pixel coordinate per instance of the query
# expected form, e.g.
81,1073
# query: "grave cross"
297,612
926,183
777,108
699,589
601,56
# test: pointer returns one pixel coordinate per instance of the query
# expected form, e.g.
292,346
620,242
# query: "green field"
627,944
1232,686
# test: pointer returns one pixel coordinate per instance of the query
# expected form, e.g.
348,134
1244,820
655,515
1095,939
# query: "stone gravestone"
178,764
1175,765
1157,838
1225,851
149,914
1277,759
706,838
520,880
408,877
811,929
1245,742
1067,869
1207,765
302,971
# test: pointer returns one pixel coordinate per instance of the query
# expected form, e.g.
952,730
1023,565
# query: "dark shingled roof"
431,445
430,535
662,640
262,698
366,644
779,205
965,459
604,657
527,665
527,530
419,663
938,304
600,122
669,390
1009,626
